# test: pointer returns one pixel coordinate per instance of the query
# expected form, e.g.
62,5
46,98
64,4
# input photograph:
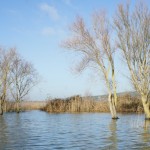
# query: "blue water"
37,130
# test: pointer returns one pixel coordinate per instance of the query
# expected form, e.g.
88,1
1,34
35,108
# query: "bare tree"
23,79
96,49
5,65
133,32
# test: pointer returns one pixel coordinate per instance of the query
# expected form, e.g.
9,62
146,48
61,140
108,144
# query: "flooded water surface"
37,130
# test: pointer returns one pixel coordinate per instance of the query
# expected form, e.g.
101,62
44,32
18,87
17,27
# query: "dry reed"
11,106
126,103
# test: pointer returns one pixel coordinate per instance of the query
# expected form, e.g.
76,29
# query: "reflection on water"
38,130
147,124
146,132
112,139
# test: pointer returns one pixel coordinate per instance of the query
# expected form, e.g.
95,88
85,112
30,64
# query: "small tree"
133,31
23,79
96,49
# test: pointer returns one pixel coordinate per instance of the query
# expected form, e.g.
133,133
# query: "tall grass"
11,106
75,104
126,103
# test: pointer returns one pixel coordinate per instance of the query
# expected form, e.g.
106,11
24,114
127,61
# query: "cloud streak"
67,2
53,31
51,11
48,31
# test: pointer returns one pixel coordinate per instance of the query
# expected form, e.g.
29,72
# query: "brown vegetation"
24,106
129,103
126,103
75,104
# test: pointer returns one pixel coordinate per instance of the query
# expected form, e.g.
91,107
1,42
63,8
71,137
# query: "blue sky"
37,27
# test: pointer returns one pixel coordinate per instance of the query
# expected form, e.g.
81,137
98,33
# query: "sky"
37,28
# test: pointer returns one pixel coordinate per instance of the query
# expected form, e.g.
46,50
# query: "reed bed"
75,104
11,106
126,103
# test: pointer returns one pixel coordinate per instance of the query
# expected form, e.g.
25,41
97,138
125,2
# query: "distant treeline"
126,103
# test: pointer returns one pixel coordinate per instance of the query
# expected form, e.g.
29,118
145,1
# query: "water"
37,130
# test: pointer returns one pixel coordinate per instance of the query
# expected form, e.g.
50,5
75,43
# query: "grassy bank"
126,103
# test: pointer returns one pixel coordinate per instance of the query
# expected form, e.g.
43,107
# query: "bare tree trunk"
5,106
114,85
146,106
112,106
18,107
1,107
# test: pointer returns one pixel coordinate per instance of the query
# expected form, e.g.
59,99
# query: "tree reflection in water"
113,140
146,132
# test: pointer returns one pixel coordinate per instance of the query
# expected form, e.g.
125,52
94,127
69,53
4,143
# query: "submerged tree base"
115,118
147,118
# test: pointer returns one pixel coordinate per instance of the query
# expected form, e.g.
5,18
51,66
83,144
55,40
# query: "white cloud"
51,11
70,4
53,31
67,2
48,31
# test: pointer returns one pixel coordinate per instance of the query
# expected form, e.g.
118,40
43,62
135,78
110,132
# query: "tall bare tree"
133,32
5,65
96,49
24,78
